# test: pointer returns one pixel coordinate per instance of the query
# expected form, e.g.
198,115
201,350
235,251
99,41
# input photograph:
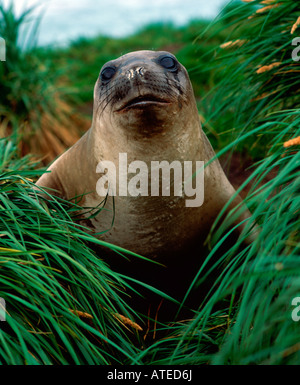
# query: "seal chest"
144,145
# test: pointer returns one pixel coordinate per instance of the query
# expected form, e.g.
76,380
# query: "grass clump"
247,316
34,109
63,302
255,72
65,305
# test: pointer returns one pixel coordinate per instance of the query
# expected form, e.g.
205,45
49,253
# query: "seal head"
141,90
144,107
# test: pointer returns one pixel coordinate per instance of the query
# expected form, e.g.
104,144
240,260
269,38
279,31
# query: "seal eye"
169,63
107,73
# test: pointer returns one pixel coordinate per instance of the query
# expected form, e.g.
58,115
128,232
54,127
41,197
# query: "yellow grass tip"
81,314
267,8
295,26
292,142
127,321
268,67
233,43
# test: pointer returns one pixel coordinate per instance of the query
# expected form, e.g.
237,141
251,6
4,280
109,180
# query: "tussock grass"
65,305
34,109
63,302
247,316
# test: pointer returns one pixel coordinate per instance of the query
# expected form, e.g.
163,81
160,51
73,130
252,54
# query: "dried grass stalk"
268,67
233,43
292,142
128,322
267,8
295,26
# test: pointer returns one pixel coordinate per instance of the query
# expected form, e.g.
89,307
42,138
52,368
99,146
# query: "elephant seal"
144,114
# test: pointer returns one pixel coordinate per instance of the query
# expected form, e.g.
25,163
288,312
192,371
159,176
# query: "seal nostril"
130,74
141,71
138,71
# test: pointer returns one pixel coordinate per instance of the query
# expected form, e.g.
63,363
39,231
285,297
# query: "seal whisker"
124,86
107,99
109,92
107,89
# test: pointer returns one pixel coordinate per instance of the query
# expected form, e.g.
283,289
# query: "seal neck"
180,141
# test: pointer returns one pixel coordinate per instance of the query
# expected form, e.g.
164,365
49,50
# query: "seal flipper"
65,178
51,182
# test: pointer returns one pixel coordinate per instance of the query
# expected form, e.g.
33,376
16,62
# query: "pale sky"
65,20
